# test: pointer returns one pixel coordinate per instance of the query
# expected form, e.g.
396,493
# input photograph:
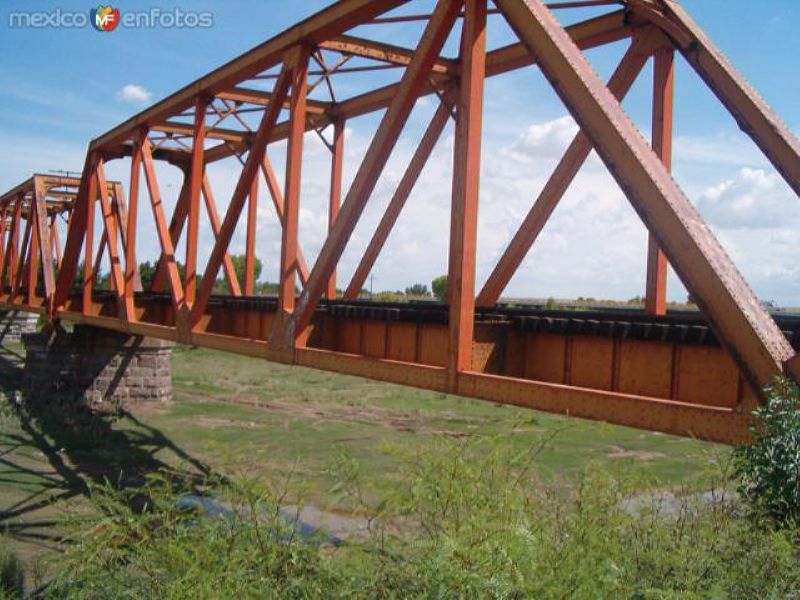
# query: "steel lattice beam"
646,373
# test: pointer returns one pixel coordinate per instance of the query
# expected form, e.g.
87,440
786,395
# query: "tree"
418,289
238,261
77,283
147,271
439,287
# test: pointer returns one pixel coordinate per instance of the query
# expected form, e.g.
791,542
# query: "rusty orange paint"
689,388
663,94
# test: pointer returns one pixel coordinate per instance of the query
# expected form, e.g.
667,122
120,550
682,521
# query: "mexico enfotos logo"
108,18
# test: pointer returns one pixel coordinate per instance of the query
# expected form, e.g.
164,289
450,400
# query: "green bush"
12,574
473,520
439,288
769,468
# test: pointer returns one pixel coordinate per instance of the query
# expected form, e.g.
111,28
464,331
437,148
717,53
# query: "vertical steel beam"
466,184
32,263
196,172
663,94
110,225
565,172
55,243
250,241
9,256
741,324
23,260
337,161
394,119
294,160
398,201
88,249
39,210
131,268
4,229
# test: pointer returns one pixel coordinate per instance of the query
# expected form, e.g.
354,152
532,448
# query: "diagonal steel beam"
742,325
249,172
398,201
110,232
164,237
563,176
329,22
753,115
76,232
277,201
176,224
121,211
394,119
213,217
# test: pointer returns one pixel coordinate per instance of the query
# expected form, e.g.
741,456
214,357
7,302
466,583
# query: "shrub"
471,519
439,288
769,468
12,575
418,289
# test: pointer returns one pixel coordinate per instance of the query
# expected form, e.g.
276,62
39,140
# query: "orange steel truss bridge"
685,373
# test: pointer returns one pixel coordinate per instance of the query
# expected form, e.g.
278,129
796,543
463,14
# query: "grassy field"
241,416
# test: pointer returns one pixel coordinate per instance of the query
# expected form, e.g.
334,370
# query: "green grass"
241,416
307,417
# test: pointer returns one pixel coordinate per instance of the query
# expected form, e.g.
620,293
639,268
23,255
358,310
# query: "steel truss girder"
657,28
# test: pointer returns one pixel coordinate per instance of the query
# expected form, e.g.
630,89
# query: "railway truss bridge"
687,373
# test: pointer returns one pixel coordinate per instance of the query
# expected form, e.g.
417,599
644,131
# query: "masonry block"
15,323
96,368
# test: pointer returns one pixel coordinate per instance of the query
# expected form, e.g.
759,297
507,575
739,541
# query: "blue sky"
61,87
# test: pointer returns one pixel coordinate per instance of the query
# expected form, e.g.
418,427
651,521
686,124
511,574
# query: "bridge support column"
14,323
97,368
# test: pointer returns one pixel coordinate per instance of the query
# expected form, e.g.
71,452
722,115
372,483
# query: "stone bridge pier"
15,323
96,368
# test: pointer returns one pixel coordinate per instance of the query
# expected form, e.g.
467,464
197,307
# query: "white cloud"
753,199
722,149
543,140
134,94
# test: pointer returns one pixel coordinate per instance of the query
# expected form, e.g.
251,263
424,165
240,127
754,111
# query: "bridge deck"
665,373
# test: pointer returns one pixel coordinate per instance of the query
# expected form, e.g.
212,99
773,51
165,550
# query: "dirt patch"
216,422
341,413
619,452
